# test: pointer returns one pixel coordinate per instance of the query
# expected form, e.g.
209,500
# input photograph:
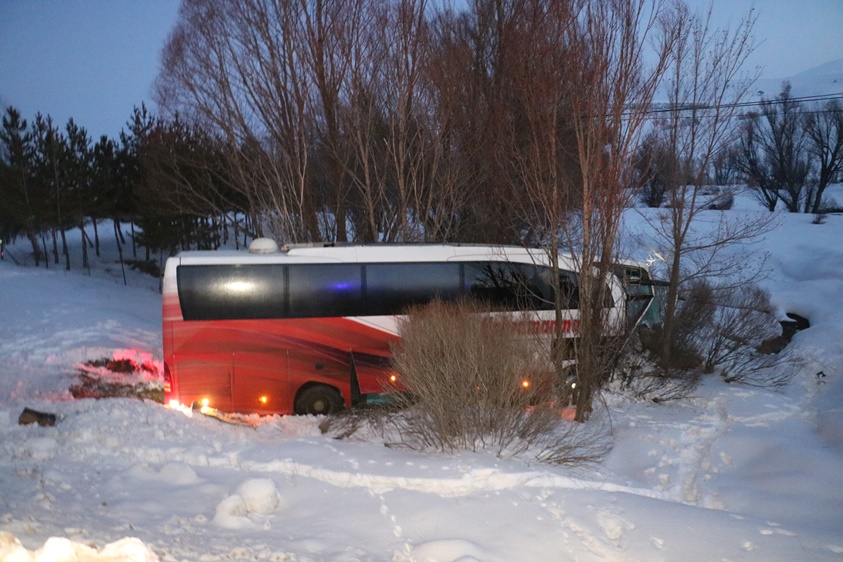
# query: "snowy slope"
734,473
823,80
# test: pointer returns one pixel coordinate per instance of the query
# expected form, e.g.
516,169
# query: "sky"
791,35
94,60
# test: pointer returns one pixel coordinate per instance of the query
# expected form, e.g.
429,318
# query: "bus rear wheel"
319,400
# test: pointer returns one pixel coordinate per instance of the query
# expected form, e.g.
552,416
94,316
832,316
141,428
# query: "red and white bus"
308,329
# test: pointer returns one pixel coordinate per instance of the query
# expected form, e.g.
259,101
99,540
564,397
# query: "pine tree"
19,212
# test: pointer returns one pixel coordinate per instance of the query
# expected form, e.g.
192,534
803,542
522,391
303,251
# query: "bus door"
640,294
261,382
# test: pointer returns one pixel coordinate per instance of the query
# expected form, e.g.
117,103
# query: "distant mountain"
821,80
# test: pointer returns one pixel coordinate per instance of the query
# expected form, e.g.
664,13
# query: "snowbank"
733,473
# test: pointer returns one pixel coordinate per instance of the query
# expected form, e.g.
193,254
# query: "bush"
463,371
149,267
724,327
643,379
830,206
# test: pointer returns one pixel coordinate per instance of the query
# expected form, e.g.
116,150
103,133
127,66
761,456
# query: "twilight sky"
94,60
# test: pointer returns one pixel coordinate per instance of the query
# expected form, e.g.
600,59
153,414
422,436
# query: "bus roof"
375,253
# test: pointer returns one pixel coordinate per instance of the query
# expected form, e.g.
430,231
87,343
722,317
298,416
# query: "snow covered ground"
734,473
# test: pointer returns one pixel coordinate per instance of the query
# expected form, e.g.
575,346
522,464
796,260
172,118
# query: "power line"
738,105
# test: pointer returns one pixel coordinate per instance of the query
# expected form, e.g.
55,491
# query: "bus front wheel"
319,400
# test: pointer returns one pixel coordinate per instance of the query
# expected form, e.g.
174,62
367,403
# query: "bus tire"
319,400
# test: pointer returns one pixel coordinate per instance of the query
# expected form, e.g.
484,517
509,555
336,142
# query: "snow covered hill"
823,80
734,473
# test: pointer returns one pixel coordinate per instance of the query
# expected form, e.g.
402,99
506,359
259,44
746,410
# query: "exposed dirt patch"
118,377
790,327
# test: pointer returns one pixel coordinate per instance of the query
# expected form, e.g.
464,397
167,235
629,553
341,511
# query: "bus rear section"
266,367
229,346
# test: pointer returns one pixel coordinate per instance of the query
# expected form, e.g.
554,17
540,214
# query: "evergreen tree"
105,169
51,159
18,212
78,181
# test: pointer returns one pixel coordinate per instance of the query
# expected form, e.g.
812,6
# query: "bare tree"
724,166
774,159
364,123
543,147
752,166
824,132
704,87
654,163
399,119
422,155
240,68
613,89
328,109
583,89
330,31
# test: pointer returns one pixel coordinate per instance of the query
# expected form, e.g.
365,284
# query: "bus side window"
319,290
393,287
509,286
231,292
569,289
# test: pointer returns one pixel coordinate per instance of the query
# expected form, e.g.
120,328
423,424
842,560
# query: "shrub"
463,371
723,327
829,205
820,218
643,379
149,267
723,202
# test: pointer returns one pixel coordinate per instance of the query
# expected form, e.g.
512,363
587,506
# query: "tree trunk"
134,241
670,307
85,263
46,255
118,231
65,251
55,247
120,251
96,237
36,249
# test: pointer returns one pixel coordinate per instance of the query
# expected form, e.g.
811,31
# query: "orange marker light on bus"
263,399
393,378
